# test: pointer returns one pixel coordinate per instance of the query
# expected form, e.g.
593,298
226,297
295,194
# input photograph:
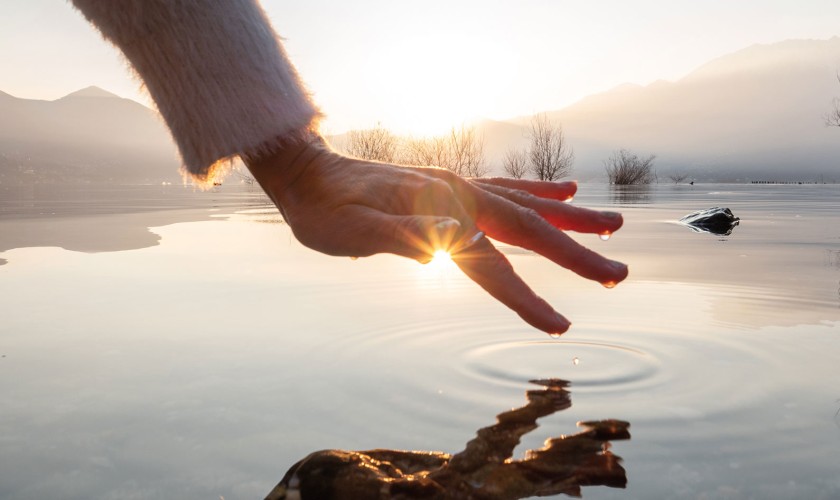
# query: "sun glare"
441,257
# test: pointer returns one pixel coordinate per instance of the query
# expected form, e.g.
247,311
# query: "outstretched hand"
349,207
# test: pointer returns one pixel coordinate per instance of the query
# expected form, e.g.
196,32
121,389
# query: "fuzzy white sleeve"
216,71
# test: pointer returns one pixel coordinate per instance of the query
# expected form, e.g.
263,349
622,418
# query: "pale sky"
425,66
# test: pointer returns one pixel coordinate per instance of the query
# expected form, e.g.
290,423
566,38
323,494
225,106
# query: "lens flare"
441,257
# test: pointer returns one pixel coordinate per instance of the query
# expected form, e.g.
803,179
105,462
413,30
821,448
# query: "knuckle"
528,218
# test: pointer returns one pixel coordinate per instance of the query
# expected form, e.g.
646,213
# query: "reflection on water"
832,258
205,363
484,469
107,218
630,195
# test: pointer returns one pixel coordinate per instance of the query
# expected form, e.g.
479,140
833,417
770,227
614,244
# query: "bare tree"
461,151
424,151
626,168
466,152
515,163
832,119
375,143
550,155
678,177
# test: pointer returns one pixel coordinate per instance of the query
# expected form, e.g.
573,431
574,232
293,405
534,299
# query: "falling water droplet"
576,361
605,236
354,258
609,284
554,335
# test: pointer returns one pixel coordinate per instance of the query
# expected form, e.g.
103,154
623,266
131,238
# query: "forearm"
216,71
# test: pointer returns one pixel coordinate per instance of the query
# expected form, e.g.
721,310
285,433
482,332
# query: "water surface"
162,343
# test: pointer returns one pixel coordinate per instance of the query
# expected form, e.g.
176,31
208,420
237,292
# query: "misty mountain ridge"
754,114
90,135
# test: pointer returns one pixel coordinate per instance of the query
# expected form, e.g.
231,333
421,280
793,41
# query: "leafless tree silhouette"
550,155
425,151
678,177
515,163
461,151
626,168
832,119
375,143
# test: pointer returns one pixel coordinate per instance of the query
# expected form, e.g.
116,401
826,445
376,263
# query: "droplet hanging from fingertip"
609,284
605,235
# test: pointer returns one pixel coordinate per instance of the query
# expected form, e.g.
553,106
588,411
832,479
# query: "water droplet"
354,258
554,335
569,199
576,361
609,284
605,236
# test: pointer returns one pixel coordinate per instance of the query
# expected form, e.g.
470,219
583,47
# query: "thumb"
417,236
366,231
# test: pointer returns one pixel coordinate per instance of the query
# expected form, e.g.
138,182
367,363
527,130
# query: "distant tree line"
548,156
461,150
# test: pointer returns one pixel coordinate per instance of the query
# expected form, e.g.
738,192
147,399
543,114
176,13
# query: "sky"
422,67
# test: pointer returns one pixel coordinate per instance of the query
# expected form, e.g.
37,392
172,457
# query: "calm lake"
157,342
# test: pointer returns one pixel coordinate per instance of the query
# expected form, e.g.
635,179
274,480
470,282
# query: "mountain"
88,136
756,114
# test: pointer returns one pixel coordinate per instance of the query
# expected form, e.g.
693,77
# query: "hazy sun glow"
441,258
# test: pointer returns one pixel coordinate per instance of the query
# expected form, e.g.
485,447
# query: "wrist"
278,166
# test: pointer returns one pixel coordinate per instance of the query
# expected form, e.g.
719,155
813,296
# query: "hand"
349,207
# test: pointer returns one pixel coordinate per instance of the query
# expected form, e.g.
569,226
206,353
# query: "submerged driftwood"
714,220
483,470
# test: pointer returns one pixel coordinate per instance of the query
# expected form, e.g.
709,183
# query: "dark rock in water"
713,220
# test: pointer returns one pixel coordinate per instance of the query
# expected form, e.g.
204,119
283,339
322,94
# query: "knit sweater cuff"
216,71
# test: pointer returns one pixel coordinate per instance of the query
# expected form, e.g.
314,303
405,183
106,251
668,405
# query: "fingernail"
610,215
466,243
618,266
562,325
447,226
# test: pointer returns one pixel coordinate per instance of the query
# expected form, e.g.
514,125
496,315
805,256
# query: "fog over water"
158,342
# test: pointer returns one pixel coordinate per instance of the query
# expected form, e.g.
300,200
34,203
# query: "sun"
440,265
441,258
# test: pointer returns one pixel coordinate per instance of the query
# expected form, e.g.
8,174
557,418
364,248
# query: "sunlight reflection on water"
207,364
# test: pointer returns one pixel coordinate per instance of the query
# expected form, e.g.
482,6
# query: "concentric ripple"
590,364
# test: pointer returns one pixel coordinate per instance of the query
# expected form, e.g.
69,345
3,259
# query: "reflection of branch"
483,470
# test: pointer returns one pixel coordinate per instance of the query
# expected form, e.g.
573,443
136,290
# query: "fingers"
506,221
561,215
563,191
486,266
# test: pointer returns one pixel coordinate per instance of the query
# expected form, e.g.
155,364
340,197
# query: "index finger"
563,191
485,265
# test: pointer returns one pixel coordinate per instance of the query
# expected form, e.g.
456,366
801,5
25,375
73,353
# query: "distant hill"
88,136
753,114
